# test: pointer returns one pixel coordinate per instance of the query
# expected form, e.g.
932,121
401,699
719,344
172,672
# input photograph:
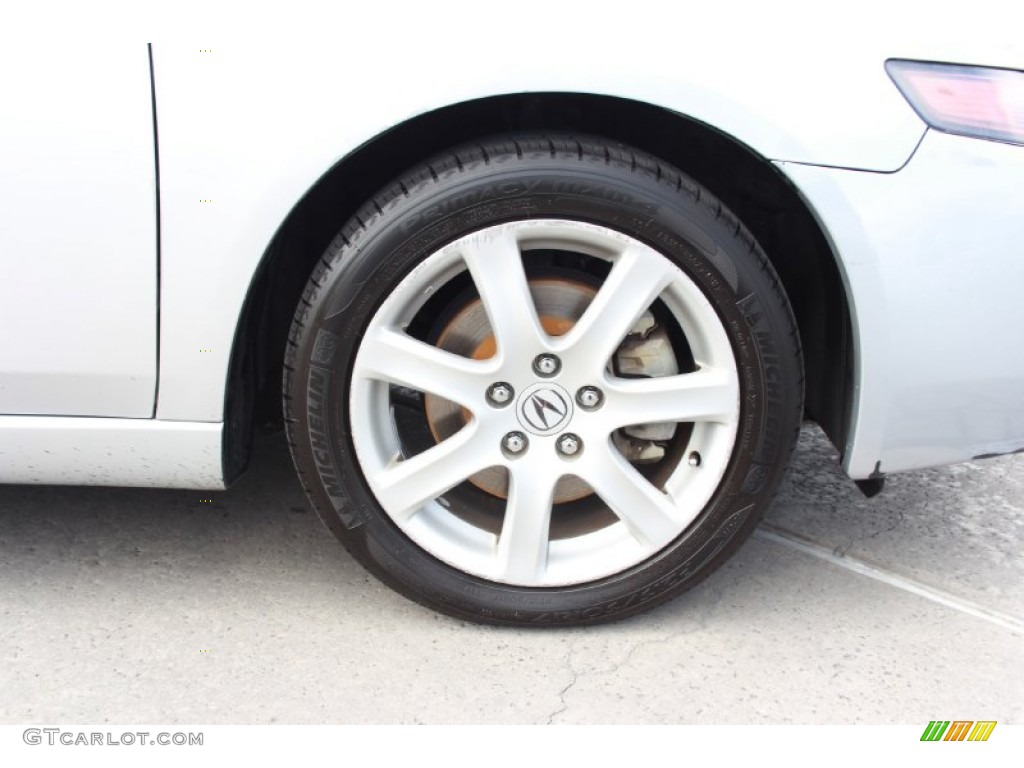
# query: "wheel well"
757,192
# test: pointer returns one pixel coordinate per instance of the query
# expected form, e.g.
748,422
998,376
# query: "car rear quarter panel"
931,259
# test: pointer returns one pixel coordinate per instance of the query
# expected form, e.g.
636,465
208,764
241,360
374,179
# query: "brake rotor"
560,302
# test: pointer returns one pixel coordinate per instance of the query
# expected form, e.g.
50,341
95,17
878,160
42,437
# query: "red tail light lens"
981,102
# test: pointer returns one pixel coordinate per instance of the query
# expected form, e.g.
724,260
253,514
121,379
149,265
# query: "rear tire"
543,380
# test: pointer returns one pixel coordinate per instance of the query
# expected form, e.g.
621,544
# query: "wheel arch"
763,199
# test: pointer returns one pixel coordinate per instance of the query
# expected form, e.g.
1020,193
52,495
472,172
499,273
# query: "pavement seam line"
784,537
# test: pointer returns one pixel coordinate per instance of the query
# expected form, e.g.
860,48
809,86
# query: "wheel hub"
560,302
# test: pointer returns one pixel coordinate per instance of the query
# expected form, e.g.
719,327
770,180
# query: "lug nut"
589,397
569,444
500,393
694,459
514,443
547,365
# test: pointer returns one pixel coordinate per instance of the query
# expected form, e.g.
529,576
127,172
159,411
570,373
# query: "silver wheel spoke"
523,544
647,512
635,281
496,264
710,394
405,486
398,358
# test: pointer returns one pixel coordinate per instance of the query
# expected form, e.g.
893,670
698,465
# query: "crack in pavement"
701,617
562,704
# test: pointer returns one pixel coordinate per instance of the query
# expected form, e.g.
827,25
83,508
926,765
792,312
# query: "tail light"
981,102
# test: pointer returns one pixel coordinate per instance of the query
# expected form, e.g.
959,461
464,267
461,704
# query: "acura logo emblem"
544,409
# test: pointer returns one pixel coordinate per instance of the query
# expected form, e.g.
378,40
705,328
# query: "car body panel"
251,130
930,256
78,259
246,131
123,452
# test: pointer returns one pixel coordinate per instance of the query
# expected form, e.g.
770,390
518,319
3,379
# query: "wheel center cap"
544,409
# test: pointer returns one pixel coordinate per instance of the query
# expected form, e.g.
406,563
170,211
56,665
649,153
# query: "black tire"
529,177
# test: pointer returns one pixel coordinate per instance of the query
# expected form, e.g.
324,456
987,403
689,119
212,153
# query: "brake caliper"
644,353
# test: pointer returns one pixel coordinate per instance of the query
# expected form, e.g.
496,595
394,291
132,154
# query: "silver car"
541,331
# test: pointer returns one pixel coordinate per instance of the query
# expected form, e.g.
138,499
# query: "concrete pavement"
145,606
